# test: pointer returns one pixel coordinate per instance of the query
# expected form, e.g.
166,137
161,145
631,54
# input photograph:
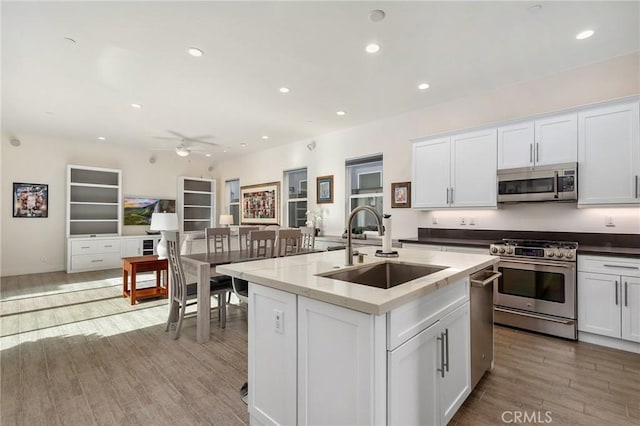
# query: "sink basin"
383,275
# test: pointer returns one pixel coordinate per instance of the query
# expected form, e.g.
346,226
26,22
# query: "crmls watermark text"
535,417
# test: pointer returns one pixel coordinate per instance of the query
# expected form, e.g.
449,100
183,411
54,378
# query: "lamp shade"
164,222
226,219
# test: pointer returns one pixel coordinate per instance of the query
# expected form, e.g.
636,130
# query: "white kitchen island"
329,352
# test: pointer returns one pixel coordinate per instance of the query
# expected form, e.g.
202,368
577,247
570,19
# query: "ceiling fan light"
182,151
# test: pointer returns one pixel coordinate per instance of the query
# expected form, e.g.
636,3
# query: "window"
364,188
232,199
296,182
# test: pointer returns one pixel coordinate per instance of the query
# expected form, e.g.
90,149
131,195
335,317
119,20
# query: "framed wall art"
401,195
30,200
260,204
138,210
324,190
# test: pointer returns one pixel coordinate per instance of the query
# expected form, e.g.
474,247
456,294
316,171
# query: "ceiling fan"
186,143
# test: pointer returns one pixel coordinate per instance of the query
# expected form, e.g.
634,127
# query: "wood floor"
74,352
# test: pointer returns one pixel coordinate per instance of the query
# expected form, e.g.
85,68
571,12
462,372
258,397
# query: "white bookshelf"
196,204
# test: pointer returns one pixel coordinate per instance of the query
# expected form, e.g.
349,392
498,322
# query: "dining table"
202,265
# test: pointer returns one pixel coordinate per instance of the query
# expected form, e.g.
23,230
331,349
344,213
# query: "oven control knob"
560,254
494,249
550,254
509,250
569,255
501,250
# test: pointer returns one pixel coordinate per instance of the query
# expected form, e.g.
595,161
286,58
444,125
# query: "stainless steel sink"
385,274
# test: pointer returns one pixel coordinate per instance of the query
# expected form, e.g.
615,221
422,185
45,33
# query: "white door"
455,386
335,365
413,379
473,169
131,247
609,155
431,171
515,145
556,140
599,304
631,308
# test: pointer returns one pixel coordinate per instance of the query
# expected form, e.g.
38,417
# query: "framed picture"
260,204
324,190
138,210
30,200
401,194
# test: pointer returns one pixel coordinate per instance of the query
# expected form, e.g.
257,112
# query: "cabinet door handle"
447,195
537,152
626,293
616,293
108,245
85,247
446,335
531,153
97,260
441,369
637,178
451,195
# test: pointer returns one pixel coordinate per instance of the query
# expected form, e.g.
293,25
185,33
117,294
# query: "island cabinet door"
413,379
272,356
335,365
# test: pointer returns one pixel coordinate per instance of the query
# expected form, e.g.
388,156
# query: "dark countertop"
622,245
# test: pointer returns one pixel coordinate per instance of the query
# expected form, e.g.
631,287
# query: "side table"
135,264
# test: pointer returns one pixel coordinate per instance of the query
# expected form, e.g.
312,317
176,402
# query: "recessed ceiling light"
243,144
194,51
102,138
207,155
584,34
224,150
340,112
423,86
284,90
535,8
372,48
138,106
377,15
265,137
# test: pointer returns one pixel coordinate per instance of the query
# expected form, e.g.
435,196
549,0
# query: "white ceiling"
128,52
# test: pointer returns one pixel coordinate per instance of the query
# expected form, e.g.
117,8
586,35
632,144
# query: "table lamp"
226,219
163,222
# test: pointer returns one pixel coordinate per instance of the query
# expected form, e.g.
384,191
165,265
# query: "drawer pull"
622,266
108,245
97,260
85,247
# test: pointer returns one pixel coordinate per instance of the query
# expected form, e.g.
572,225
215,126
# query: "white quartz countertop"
298,275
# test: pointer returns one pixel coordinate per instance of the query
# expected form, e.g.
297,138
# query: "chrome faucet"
349,249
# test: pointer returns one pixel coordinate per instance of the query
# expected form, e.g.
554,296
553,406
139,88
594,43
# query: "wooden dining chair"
308,237
219,241
289,242
184,293
243,236
260,244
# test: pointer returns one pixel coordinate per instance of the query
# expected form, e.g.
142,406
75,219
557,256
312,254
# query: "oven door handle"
559,265
524,314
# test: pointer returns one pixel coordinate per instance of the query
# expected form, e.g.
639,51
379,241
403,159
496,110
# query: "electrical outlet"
463,221
472,221
608,221
43,259
278,318
434,220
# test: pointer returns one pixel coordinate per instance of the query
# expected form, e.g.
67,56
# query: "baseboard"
610,342
11,272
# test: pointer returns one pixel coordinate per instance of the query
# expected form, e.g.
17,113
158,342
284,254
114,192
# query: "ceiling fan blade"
177,134
203,142
167,138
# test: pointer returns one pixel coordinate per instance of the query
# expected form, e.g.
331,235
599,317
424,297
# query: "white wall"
613,79
41,160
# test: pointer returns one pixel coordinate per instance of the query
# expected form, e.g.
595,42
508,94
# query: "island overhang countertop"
299,275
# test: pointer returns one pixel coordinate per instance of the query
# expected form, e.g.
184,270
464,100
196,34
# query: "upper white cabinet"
549,140
455,171
196,204
609,155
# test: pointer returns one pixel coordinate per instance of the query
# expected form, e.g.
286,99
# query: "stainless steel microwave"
558,182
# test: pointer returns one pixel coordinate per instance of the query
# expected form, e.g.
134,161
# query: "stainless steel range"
537,289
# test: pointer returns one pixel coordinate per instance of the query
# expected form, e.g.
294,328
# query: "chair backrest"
289,241
243,236
178,280
262,243
308,237
220,237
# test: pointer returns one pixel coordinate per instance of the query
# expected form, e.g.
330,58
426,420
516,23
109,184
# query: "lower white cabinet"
609,297
139,245
311,362
429,375
92,254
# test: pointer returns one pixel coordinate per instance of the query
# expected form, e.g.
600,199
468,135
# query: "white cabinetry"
139,245
94,216
549,140
456,171
196,204
452,249
312,362
609,155
609,298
